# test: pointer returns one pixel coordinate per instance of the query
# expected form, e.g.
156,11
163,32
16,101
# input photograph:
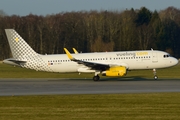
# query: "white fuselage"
132,60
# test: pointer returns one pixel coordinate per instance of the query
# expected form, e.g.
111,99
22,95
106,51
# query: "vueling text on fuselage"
133,54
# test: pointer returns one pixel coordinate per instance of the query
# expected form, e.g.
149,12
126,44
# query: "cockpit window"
166,56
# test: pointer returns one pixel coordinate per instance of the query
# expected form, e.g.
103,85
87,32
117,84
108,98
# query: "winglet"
68,54
75,51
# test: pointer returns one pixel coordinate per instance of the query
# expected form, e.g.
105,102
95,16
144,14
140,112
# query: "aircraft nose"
175,61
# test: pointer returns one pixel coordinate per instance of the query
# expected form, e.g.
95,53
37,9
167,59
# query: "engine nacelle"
115,71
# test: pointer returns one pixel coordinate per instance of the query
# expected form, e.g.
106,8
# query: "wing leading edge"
92,65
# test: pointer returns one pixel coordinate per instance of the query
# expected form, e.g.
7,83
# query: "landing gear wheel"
155,77
96,78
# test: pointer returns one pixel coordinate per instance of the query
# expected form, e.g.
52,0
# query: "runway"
55,86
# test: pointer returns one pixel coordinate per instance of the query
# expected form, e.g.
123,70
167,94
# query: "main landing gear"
96,76
155,76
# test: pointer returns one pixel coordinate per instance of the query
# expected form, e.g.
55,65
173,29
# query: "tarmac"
55,86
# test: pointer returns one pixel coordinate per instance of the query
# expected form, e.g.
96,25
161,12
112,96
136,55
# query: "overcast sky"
44,7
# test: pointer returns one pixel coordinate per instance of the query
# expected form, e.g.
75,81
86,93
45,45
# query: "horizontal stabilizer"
13,61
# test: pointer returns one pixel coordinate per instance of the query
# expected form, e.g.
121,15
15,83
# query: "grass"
7,71
164,106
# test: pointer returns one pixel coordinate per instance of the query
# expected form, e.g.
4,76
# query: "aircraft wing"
92,65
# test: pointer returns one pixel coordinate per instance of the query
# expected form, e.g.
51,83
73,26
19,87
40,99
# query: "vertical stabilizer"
18,45
23,54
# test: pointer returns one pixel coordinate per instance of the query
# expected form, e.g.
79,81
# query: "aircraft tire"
96,78
155,77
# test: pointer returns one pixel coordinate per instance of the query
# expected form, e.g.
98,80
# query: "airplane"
112,64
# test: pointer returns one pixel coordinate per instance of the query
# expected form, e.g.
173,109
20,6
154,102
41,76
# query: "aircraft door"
154,57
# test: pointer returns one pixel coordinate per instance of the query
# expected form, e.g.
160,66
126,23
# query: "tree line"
95,31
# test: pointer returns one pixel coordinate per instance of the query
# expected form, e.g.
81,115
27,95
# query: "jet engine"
115,71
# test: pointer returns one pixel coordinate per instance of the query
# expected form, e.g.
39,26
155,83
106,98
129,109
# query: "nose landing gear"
155,76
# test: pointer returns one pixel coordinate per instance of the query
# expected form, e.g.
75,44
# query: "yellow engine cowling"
115,71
